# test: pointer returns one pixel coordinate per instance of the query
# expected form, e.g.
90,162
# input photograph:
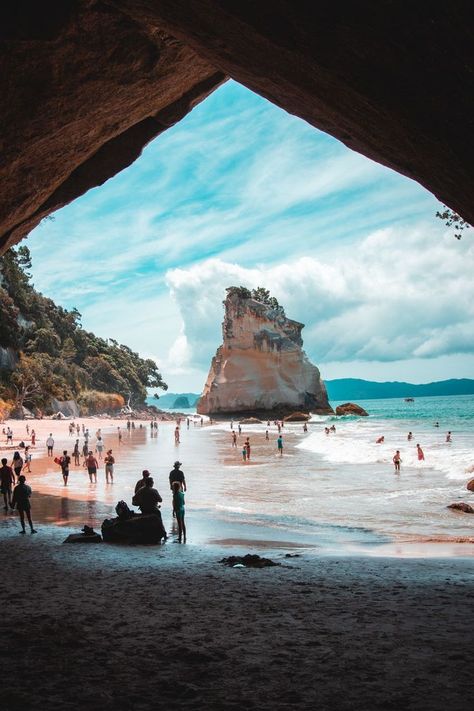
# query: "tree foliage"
452,219
56,353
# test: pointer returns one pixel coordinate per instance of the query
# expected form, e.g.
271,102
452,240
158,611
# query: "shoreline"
88,505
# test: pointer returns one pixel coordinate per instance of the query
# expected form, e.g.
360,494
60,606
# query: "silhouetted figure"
177,475
141,482
7,481
147,498
21,499
178,507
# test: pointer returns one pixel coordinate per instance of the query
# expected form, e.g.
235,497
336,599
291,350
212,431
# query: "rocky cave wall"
86,84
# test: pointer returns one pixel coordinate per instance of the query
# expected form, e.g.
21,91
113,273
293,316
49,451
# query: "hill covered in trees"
45,352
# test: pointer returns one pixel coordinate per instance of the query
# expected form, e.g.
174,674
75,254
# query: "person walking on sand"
50,444
178,508
17,464
64,463
267,436
33,438
280,445
109,461
240,430
176,434
305,427
76,454
78,430
21,499
7,481
27,467
397,460
91,464
85,451
27,429
247,447
421,455
234,439
9,436
99,447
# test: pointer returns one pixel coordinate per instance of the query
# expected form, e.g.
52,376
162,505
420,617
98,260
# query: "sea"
329,493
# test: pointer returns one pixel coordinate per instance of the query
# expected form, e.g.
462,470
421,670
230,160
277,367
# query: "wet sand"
107,627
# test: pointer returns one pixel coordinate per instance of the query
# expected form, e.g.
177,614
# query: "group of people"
148,499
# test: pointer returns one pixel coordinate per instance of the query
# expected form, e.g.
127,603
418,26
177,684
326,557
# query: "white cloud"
390,297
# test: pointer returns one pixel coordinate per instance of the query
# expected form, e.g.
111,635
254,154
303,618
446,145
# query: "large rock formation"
86,84
261,368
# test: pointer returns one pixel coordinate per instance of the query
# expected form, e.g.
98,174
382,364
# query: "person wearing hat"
176,475
142,482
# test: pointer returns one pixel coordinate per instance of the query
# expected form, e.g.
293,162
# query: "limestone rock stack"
261,368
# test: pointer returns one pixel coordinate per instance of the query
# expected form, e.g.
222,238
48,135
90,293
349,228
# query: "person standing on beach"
21,499
178,508
141,482
7,481
177,475
247,447
234,439
85,451
33,438
50,444
76,453
78,430
9,436
27,467
17,464
280,445
305,427
421,455
91,464
109,466
244,453
64,463
267,436
99,447
397,460
176,434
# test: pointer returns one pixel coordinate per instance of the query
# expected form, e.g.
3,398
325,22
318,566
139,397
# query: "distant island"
171,401
356,389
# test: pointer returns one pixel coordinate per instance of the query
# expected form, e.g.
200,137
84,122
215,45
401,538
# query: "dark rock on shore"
470,485
139,528
350,408
250,421
248,561
297,417
461,506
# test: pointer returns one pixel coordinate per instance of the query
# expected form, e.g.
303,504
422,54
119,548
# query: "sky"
241,192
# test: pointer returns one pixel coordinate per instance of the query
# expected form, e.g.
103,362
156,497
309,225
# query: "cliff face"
261,368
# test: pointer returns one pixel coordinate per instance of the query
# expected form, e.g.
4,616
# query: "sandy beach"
109,627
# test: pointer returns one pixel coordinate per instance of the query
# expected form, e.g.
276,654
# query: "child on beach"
280,445
244,453
178,507
397,460
21,499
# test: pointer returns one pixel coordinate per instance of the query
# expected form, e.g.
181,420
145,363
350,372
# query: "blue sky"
242,192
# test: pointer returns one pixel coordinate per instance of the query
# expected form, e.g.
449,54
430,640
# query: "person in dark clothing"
21,499
77,454
64,463
17,463
7,480
142,482
147,498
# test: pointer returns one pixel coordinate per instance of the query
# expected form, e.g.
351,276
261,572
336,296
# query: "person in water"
448,437
380,440
91,464
21,499
17,464
244,453
109,461
247,447
64,463
397,460
280,445
178,507
421,455
234,439
76,454
409,436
